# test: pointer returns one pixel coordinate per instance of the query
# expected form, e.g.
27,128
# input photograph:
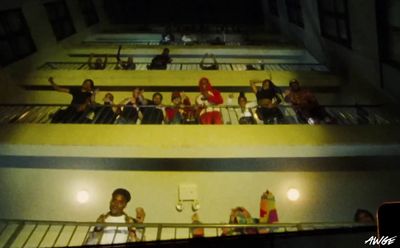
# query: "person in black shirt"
212,66
81,99
153,113
129,113
159,62
106,113
268,99
99,64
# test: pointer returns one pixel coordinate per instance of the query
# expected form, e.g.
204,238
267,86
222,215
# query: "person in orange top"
207,102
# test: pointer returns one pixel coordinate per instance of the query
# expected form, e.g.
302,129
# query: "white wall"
325,196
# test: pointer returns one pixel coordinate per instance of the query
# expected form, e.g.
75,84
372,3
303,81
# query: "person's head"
157,98
364,216
108,98
165,51
266,84
119,200
204,84
294,85
176,98
88,85
136,92
242,100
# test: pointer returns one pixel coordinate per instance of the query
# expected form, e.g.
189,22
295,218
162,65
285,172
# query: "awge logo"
384,240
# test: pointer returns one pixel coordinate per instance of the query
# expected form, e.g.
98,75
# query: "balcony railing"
33,233
195,66
231,115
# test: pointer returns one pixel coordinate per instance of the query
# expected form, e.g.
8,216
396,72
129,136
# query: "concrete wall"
50,194
44,39
360,63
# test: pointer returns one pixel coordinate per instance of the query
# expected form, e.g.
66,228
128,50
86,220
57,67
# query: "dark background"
169,12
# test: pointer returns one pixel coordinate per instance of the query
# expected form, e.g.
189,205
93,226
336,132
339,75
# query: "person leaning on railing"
113,234
209,66
181,111
82,97
207,103
124,65
99,64
306,105
268,99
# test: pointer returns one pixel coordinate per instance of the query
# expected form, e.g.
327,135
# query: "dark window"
334,21
15,38
89,12
389,30
295,13
273,7
60,19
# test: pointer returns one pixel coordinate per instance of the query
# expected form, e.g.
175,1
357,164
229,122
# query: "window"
295,13
389,31
334,21
15,37
89,12
60,19
273,7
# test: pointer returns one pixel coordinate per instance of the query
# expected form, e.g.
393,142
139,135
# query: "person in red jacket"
207,103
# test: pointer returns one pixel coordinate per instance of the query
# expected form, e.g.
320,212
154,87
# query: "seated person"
99,64
212,66
112,234
124,65
159,62
268,100
106,113
305,104
153,112
180,112
82,98
207,102
129,113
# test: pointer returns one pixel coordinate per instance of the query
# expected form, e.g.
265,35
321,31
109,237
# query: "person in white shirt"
115,234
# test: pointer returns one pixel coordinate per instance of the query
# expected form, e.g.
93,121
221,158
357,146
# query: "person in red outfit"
207,103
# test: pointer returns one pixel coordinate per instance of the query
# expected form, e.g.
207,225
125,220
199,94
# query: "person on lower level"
116,214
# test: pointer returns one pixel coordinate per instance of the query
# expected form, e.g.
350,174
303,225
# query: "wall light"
293,194
82,196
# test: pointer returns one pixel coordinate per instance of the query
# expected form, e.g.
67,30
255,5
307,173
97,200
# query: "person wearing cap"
180,112
116,214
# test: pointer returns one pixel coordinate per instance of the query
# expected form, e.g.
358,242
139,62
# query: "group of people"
109,234
206,110
159,62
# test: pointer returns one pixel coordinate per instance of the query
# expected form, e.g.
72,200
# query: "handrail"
359,114
89,233
142,66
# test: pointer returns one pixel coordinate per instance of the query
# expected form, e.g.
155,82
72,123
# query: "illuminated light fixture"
293,194
179,206
195,206
82,196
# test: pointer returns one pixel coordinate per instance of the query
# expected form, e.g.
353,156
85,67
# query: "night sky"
184,11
